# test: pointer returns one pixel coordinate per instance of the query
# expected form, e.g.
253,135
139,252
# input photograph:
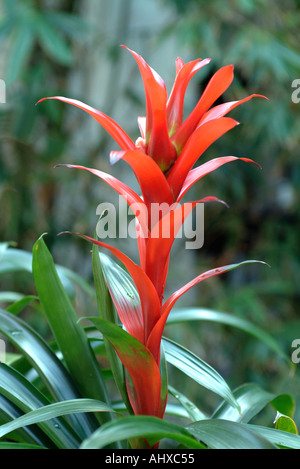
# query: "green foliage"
62,399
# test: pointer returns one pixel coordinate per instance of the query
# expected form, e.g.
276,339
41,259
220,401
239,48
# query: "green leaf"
18,260
70,24
52,411
63,321
17,389
276,437
152,428
44,361
10,297
202,314
19,305
199,371
285,404
53,42
191,409
11,445
106,311
3,247
139,363
285,423
22,45
32,434
251,398
223,434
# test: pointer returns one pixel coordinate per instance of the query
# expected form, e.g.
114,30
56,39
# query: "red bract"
162,159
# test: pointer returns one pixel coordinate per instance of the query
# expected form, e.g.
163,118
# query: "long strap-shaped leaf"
157,331
223,434
203,314
63,321
199,371
106,311
252,399
50,369
52,411
139,327
144,372
152,428
31,435
24,395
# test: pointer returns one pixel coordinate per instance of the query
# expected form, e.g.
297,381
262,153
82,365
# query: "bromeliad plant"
163,160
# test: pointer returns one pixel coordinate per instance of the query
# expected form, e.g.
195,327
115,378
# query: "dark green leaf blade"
44,361
55,410
106,311
202,314
68,333
251,398
17,389
198,370
223,434
152,428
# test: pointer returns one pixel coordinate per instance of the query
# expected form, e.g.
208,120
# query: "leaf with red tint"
152,181
219,83
176,99
141,366
118,134
206,168
133,200
159,146
154,340
223,109
199,141
141,326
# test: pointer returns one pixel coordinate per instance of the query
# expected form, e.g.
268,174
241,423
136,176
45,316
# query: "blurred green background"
72,48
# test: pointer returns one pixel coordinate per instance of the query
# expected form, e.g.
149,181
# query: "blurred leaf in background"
38,48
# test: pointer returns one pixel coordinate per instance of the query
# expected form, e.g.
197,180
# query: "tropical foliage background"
71,48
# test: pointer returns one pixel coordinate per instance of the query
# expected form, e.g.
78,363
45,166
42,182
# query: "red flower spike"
159,146
162,159
161,239
146,171
199,141
155,337
219,83
145,394
176,98
139,327
118,134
